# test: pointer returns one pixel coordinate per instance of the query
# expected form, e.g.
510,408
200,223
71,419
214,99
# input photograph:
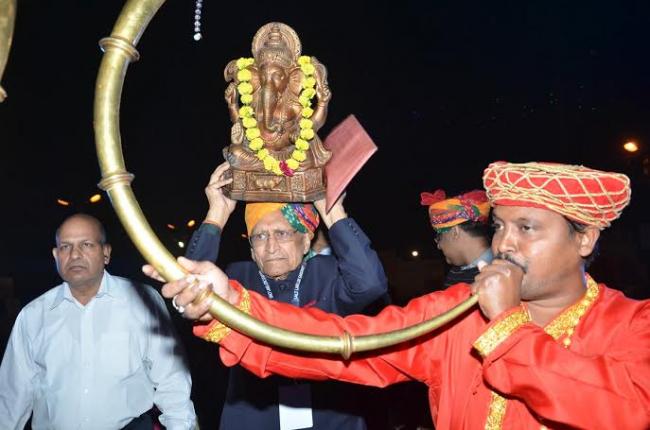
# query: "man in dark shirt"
462,232
282,269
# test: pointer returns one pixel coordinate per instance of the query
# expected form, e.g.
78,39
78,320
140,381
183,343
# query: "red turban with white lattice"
585,195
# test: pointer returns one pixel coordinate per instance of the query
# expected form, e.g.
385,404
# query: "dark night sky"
443,87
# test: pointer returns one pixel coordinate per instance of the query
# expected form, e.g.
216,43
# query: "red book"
351,147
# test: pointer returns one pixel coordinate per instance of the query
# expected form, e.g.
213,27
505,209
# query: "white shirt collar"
106,288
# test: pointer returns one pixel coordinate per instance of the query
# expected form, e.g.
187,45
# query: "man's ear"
55,253
455,232
253,255
107,249
306,242
587,241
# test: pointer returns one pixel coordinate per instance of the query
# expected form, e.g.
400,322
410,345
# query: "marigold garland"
249,122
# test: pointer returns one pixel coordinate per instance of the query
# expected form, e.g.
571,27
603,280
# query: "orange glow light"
171,226
631,146
62,202
191,223
95,198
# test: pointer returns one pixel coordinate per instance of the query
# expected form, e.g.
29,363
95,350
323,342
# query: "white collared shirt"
96,366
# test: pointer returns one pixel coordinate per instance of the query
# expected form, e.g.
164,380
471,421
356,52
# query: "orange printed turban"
302,217
445,213
581,194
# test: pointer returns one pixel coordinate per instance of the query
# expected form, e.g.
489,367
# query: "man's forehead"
517,212
76,237
78,228
272,221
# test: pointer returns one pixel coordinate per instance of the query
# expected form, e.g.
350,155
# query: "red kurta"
600,381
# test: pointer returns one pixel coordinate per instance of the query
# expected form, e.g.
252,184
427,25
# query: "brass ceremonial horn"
7,18
119,50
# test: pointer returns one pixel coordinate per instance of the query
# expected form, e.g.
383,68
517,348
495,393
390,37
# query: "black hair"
578,227
478,229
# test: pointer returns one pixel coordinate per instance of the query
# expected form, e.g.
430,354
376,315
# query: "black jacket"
343,283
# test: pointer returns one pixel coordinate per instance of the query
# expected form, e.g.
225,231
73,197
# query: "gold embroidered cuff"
218,330
500,330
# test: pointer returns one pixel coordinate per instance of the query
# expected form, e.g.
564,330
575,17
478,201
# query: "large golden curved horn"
119,51
7,18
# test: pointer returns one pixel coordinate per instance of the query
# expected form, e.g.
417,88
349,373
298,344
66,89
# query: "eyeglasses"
439,237
259,239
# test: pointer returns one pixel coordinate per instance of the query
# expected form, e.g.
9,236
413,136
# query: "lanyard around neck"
295,300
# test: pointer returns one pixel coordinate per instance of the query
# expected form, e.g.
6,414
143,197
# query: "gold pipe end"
121,44
115,179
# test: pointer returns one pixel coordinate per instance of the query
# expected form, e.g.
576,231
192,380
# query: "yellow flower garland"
253,135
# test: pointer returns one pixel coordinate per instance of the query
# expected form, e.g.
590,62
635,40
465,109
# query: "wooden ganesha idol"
277,102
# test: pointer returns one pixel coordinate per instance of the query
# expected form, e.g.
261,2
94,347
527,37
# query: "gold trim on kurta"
568,320
500,331
497,412
219,331
563,324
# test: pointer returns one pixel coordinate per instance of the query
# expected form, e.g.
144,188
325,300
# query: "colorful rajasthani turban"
446,213
302,217
588,196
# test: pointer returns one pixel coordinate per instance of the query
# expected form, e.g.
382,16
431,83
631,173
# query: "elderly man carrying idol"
283,269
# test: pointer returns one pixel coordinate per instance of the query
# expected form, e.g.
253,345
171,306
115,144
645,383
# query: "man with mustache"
284,269
96,352
548,347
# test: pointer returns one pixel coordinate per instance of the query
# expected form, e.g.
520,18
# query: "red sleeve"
606,390
413,360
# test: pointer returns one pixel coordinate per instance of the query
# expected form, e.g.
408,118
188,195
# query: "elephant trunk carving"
269,105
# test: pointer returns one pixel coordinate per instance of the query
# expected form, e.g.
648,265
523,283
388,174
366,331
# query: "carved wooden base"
250,186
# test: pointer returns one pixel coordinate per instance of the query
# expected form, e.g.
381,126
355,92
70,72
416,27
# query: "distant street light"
181,244
62,202
171,226
191,223
631,146
95,198
415,253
